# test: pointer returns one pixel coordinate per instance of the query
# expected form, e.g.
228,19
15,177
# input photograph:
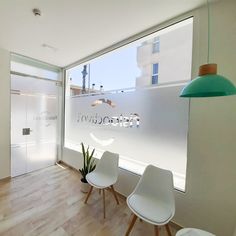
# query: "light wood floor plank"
49,202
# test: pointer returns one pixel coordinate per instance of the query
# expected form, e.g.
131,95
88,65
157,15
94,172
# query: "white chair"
104,176
193,232
153,199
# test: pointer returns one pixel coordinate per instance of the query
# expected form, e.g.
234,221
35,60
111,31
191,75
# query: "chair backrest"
158,184
108,164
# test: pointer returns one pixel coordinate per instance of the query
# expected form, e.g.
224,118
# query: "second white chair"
104,176
193,232
153,199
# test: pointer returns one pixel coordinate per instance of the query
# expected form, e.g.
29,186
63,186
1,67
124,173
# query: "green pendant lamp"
208,83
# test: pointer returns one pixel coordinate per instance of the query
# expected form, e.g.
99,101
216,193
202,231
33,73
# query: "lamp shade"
208,84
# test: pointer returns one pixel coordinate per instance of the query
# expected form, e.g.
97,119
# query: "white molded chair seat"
104,176
153,198
193,232
100,180
146,209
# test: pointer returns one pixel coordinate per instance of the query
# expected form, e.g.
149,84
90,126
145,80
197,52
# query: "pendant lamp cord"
208,37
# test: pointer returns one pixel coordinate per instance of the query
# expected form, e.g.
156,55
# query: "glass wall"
35,116
127,101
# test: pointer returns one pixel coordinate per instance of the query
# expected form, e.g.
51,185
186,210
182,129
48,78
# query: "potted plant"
89,166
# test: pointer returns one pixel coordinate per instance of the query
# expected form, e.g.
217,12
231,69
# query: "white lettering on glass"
133,120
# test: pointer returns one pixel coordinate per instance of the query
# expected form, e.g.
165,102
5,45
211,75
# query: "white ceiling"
78,28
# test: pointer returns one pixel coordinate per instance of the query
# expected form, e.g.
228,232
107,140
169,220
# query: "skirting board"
6,179
172,223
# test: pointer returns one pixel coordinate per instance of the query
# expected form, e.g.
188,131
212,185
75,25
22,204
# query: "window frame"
127,41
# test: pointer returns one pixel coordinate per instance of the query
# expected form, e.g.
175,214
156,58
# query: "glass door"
34,123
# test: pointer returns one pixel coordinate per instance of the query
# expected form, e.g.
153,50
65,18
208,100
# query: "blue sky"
114,70
118,69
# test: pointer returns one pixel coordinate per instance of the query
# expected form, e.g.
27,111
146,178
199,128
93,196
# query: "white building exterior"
160,50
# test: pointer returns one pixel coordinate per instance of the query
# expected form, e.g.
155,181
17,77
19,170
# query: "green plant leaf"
82,172
91,156
92,153
89,162
84,155
93,168
92,164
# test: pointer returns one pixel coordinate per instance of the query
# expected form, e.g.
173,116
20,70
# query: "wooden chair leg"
99,191
88,195
114,193
104,206
131,225
168,229
156,229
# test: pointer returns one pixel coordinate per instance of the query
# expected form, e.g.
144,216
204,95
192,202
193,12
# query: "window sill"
133,166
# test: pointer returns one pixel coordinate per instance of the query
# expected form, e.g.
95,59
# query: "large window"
127,101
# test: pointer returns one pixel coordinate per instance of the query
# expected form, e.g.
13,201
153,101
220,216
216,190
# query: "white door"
34,116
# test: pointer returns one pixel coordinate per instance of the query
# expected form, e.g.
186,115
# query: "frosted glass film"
146,126
34,106
42,141
18,141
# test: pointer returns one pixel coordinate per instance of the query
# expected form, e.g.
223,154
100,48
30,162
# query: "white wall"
4,113
210,199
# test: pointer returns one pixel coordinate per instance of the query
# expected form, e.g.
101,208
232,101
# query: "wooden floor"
49,202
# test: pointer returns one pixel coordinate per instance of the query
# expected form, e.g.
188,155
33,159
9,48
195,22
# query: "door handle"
26,131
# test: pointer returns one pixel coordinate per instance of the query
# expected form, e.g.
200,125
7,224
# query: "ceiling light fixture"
208,83
44,45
